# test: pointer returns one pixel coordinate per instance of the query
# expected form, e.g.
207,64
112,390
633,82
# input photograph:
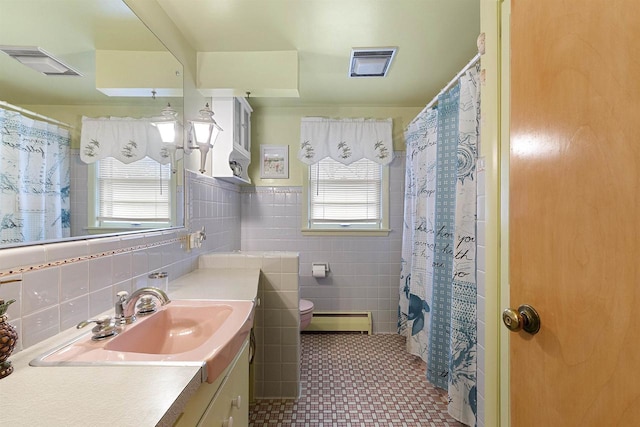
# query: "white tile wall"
364,270
277,319
74,311
10,259
100,273
12,290
215,205
64,283
40,326
40,290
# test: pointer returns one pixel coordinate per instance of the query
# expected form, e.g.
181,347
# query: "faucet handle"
105,327
146,306
100,321
122,295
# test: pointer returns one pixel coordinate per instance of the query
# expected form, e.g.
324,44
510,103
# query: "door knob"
524,318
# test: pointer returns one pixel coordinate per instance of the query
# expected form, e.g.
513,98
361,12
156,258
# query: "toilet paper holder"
319,269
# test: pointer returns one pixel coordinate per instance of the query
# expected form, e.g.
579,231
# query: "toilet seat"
306,306
306,313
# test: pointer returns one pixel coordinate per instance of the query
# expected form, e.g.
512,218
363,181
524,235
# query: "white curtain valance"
123,138
345,140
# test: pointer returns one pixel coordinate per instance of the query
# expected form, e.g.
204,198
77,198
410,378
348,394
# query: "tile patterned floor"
357,380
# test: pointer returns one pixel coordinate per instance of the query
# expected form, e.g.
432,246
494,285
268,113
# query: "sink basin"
182,332
184,328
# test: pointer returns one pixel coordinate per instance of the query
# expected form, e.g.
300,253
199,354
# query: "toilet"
306,313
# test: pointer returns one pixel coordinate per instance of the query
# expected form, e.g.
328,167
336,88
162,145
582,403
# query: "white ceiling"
435,38
70,30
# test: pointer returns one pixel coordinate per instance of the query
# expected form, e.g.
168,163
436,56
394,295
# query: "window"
347,198
134,195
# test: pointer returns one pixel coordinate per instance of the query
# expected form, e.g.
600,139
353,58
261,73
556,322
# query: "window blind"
345,195
135,192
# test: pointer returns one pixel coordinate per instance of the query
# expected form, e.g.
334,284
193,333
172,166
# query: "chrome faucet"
126,305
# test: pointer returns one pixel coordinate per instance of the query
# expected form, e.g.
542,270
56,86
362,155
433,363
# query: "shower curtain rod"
448,85
34,114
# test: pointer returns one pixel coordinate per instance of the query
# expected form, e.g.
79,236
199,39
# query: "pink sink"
203,331
184,328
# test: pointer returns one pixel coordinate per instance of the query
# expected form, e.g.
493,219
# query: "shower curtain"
437,311
416,278
34,177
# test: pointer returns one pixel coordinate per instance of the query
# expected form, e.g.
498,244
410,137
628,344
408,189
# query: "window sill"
345,232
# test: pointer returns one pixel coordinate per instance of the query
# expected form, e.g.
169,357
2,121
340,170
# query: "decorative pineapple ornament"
8,339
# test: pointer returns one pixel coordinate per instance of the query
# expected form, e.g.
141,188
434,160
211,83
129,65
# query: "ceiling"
70,30
435,39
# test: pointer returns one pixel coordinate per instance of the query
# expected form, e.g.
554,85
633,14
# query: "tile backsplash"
58,285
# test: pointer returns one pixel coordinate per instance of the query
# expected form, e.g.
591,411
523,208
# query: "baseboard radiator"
340,321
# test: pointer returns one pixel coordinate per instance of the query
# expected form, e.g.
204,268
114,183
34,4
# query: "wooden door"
574,211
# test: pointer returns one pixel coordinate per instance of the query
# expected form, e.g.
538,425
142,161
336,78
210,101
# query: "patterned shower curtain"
438,294
416,277
34,177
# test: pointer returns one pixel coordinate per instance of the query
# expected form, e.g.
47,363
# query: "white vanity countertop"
227,284
113,395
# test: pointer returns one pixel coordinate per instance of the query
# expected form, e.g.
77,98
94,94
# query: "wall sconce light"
167,126
204,131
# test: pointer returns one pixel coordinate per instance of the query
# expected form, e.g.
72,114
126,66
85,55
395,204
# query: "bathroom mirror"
78,32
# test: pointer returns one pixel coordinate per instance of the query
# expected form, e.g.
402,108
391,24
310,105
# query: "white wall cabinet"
231,153
225,403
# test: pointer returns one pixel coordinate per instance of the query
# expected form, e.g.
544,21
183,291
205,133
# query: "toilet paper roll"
319,271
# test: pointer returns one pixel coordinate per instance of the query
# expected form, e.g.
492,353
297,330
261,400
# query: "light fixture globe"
205,130
167,125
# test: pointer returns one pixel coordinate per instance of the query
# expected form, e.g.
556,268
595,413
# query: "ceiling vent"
374,62
39,60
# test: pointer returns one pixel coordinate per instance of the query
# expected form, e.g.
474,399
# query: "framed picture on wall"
274,161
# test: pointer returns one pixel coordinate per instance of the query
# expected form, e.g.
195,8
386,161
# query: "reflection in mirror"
48,191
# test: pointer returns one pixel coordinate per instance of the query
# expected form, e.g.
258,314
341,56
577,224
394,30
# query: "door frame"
494,23
505,148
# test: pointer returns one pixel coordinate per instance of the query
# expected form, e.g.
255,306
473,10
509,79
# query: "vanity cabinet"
224,403
231,153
